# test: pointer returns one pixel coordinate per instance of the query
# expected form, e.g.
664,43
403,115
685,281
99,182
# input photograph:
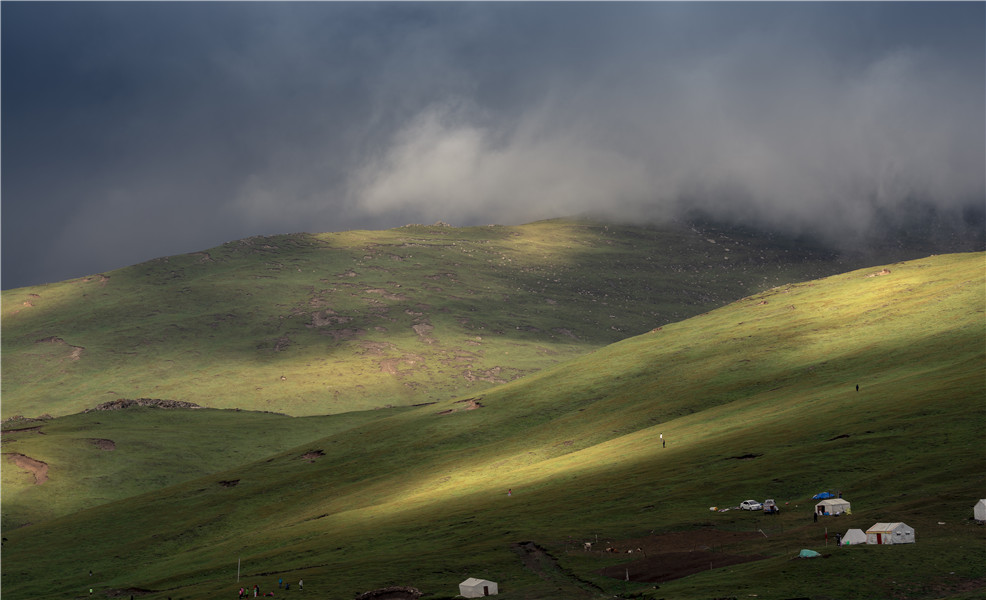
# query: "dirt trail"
546,566
38,468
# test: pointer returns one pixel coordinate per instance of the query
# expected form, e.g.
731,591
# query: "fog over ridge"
809,151
170,127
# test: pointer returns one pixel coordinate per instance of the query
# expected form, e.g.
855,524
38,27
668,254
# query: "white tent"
890,533
854,536
833,506
477,588
979,510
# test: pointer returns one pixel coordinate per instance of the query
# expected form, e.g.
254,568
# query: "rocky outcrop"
122,403
391,593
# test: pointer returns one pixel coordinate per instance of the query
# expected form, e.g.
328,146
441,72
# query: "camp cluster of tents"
880,533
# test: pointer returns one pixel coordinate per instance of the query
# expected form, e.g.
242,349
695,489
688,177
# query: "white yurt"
833,506
477,588
854,537
890,533
979,510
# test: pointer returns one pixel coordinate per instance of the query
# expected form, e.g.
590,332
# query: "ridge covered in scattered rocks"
122,403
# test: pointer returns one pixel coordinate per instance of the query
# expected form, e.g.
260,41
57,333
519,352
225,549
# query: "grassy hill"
755,399
322,324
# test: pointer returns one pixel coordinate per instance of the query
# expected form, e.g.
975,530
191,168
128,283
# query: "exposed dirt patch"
76,351
489,375
312,455
36,467
102,444
102,279
375,348
461,357
327,317
392,366
470,403
467,404
424,332
36,429
229,482
879,273
678,554
317,303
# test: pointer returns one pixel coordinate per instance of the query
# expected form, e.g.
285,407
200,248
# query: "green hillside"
755,399
323,324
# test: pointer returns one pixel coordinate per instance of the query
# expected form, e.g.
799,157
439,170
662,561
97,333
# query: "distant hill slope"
329,323
756,399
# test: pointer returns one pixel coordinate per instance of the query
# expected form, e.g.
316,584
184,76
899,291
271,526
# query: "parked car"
751,505
770,507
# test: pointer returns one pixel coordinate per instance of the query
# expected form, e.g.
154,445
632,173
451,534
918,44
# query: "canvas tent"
833,506
979,510
890,533
477,588
854,536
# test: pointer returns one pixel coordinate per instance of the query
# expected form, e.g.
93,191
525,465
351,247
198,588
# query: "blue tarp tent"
809,554
823,496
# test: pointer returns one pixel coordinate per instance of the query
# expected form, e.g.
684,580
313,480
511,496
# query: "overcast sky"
133,130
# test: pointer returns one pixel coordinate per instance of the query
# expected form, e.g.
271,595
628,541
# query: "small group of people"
287,586
245,593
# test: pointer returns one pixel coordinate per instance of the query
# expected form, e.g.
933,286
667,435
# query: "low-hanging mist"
169,127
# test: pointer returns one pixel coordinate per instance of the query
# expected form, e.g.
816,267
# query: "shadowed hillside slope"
756,399
319,324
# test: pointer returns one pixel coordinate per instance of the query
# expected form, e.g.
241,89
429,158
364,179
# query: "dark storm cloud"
134,130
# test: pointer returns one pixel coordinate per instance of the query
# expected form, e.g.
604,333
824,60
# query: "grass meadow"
755,399
331,323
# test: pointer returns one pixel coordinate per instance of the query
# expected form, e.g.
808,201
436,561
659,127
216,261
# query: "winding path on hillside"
544,565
